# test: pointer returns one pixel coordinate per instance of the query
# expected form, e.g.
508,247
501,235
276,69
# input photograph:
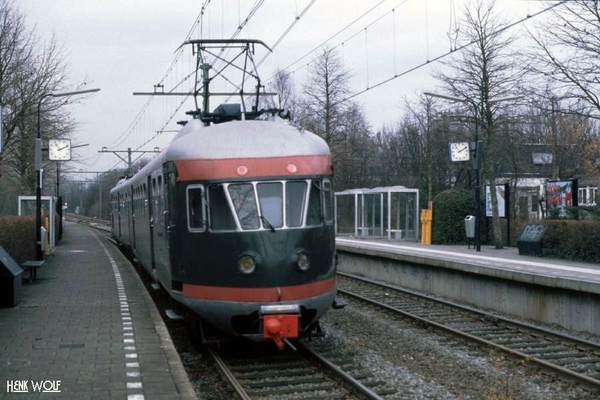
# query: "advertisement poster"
501,193
561,194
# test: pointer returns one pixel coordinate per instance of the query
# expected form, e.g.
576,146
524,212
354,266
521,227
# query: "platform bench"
31,268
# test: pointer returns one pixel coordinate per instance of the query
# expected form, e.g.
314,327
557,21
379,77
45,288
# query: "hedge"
17,237
449,211
572,240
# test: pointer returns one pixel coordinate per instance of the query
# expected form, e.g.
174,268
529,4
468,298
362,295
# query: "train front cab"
256,257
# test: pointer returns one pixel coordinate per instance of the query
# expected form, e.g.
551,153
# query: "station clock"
59,149
459,151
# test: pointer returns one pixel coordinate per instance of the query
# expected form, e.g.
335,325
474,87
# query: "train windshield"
269,205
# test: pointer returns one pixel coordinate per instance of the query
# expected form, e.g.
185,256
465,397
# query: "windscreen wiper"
267,223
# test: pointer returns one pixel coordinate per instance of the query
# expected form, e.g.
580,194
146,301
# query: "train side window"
314,216
295,193
327,200
270,198
244,203
221,218
196,210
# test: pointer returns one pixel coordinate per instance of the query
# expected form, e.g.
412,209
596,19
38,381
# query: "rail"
564,354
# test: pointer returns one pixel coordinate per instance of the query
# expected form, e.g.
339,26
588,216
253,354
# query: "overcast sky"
126,46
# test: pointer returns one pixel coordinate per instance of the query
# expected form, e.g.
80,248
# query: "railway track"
315,371
566,355
99,224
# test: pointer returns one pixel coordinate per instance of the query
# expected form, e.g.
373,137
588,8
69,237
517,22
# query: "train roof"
244,139
237,139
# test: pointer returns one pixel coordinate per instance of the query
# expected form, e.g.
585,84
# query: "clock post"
38,168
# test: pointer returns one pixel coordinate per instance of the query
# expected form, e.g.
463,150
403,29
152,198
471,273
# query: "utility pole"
38,165
128,151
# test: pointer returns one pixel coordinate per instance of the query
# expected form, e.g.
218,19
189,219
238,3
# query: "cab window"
196,213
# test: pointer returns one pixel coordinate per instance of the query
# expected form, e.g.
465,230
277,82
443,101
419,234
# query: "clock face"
459,151
59,149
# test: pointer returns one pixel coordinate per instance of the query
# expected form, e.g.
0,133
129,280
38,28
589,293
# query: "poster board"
560,195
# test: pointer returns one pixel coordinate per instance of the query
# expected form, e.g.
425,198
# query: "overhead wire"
127,131
511,25
280,39
178,107
289,28
332,37
357,33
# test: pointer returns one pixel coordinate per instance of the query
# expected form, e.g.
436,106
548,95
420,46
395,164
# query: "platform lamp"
477,152
38,168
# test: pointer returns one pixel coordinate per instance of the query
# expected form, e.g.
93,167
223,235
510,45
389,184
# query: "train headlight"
247,264
301,260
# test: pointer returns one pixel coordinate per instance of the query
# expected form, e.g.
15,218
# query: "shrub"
17,237
572,240
449,211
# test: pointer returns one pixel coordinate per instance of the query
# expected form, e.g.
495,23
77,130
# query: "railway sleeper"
501,337
485,330
266,367
387,392
535,352
530,346
272,373
372,384
294,390
285,382
517,343
580,361
360,375
584,369
558,356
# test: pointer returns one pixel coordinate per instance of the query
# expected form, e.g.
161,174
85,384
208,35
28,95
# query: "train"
235,220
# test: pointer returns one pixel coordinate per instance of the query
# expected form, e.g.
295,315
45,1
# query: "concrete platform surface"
87,329
504,263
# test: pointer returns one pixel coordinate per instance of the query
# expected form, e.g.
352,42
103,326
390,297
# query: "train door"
133,209
161,228
119,208
171,218
151,221
129,200
112,212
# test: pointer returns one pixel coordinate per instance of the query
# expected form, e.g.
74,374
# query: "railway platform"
503,263
88,329
541,289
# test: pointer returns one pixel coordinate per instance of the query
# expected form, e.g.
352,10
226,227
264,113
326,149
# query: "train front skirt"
259,321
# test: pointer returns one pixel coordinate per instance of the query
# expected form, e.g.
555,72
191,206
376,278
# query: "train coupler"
280,322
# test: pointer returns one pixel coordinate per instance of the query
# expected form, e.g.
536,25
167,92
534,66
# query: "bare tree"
283,85
342,124
28,70
569,58
570,50
484,72
323,110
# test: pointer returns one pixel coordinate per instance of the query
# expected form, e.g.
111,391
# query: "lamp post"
477,154
38,167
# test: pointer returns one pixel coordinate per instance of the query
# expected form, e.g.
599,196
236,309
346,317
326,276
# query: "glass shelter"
391,211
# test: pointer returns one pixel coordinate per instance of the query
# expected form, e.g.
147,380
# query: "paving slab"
73,334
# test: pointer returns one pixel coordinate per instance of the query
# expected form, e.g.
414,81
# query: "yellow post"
426,220
47,227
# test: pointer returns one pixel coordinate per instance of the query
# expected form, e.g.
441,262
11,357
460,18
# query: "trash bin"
10,280
470,226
